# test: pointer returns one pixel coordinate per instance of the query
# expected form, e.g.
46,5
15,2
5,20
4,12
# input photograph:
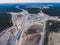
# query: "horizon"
29,1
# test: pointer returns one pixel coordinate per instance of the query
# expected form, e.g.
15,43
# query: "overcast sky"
27,1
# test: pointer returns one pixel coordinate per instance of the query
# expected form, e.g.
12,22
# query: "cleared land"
54,38
31,33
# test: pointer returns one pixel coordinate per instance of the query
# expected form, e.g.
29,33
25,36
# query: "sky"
28,1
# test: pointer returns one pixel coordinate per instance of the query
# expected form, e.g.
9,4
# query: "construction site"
31,29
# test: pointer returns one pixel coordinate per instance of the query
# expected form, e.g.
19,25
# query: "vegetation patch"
5,21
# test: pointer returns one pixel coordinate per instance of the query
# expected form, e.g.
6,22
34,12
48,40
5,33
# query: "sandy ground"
54,38
7,36
31,38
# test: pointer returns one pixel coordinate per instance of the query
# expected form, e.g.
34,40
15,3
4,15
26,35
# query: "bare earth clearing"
31,34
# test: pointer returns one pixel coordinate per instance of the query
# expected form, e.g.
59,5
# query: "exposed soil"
34,29
33,40
32,35
54,38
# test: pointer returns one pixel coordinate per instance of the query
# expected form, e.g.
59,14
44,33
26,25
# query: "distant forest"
9,9
52,11
5,21
33,10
